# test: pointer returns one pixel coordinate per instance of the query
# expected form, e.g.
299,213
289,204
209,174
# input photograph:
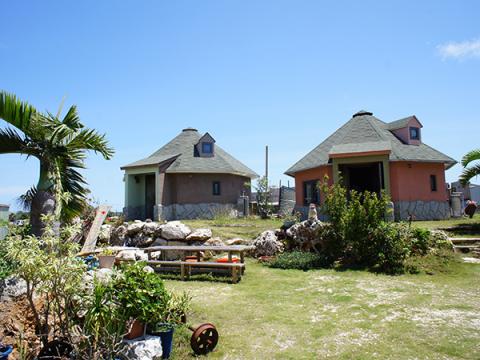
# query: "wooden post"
234,274
182,271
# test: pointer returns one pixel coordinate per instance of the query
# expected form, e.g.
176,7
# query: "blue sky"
252,73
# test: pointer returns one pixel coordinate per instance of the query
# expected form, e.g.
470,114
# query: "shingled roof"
180,153
360,134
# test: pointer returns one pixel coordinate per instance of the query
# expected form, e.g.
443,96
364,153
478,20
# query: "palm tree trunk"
43,203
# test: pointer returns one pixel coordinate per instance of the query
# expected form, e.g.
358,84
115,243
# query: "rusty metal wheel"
204,339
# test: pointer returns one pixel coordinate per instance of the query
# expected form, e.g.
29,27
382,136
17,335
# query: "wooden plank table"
236,269
185,249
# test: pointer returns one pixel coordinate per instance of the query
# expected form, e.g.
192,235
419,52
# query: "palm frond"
468,173
89,139
71,119
11,142
25,200
16,112
471,156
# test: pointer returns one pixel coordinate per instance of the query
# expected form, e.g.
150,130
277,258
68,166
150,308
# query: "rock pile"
305,235
267,244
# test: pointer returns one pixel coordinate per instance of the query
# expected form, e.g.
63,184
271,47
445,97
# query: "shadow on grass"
464,229
207,277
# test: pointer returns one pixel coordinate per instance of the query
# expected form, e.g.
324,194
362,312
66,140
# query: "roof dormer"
205,146
407,130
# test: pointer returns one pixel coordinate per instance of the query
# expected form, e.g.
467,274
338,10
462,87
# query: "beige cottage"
190,177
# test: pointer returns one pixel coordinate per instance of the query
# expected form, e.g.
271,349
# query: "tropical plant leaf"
25,200
16,112
468,173
471,156
11,142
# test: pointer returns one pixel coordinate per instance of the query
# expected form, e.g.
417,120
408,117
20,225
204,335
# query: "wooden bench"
235,269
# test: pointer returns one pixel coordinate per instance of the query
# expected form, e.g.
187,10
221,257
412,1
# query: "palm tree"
470,172
61,146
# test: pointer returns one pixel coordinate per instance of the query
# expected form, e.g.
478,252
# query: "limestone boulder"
104,275
148,348
11,288
104,234
135,227
151,228
160,242
200,235
141,255
126,255
119,235
175,230
215,241
237,241
267,244
141,240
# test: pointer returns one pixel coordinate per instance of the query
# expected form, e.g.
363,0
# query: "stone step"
464,240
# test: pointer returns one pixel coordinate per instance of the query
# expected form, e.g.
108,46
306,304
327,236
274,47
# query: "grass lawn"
227,228
462,227
325,314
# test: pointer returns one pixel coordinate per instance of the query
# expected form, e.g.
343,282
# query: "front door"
149,195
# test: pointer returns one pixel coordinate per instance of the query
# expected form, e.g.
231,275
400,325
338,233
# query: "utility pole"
266,163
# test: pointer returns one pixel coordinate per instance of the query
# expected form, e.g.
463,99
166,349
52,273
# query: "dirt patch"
17,326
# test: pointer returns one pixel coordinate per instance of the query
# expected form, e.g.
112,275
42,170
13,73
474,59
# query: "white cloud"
460,50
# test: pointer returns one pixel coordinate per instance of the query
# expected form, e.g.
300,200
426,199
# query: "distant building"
4,212
189,177
470,192
369,154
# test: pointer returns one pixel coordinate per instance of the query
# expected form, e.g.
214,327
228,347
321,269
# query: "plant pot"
55,349
137,329
5,350
106,261
166,338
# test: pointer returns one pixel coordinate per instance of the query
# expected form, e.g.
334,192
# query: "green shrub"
141,294
442,261
299,260
421,241
390,244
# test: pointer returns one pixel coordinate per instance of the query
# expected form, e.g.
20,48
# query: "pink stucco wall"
404,133
311,174
410,181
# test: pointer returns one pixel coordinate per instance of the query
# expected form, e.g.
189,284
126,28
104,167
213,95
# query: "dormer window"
207,148
414,133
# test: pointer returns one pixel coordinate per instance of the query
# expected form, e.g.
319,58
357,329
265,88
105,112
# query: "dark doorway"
363,177
149,196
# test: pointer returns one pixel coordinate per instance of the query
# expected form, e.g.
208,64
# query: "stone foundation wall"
422,210
134,212
194,211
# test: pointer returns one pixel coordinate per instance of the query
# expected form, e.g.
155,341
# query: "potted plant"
142,297
175,315
106,259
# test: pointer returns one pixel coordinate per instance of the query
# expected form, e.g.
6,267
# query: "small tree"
263,197
51,271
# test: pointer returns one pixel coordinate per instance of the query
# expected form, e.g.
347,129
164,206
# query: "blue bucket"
166,337
7,350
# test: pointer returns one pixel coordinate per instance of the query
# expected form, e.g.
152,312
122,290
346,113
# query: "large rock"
126,255
12,287
200,235
105,234
237,241
151,228
306,235
149,348
267,244
135,227
215,241
119,235
175,230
